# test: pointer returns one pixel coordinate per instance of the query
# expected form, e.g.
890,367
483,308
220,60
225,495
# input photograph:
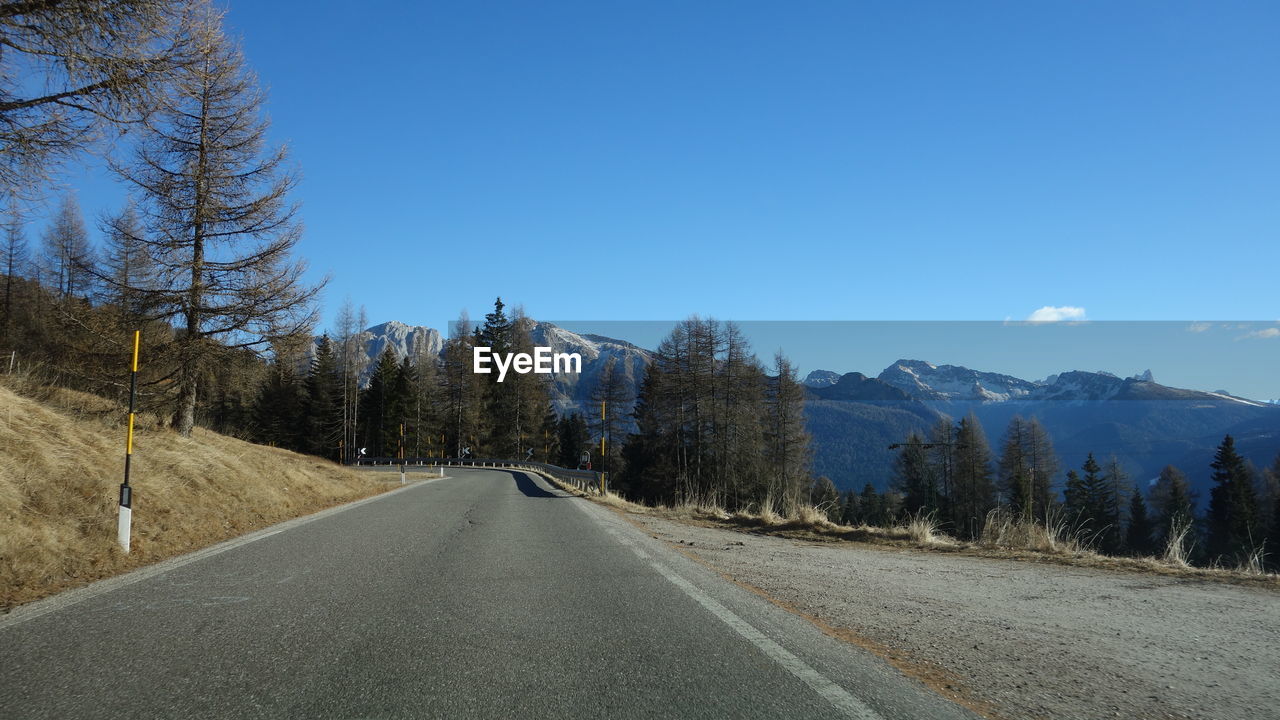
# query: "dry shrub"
1176,549
923,529
1007,530
60,472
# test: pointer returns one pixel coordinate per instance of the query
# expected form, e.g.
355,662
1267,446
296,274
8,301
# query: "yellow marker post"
124,524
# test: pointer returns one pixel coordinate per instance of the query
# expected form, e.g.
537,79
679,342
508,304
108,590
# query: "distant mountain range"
1146,424
853,418
569,393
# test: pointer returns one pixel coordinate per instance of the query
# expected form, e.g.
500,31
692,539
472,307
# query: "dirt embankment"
1023,639
61,463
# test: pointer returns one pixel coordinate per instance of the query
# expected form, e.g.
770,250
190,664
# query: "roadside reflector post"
124,525
400,453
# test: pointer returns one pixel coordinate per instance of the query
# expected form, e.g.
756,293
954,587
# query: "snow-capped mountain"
569,392
572,393
821,378
1144,423
947,384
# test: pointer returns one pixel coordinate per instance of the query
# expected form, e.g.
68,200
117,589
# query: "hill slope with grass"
61,463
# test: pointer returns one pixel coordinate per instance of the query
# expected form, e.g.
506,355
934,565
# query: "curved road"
484,594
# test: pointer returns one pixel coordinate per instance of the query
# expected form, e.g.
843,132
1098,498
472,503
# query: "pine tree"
575,439
850,513
914,477
1172,502
278,410
377,408
1074,495
1108,505
323,417
1232,506
1138,537
871,505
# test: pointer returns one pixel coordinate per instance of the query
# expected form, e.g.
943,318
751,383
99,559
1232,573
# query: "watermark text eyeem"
542,362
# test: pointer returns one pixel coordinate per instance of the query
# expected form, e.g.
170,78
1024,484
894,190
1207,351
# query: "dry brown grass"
61,463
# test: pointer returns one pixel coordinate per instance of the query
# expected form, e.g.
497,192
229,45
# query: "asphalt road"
485,594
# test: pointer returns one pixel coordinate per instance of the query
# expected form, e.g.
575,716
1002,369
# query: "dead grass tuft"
61,463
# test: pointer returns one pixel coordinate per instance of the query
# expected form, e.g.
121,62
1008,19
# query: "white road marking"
79,595
841,699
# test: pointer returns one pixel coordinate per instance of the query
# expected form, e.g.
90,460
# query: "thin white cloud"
1199,327
1049,313
1261,334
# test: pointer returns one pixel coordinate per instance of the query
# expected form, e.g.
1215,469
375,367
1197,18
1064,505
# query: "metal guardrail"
588,481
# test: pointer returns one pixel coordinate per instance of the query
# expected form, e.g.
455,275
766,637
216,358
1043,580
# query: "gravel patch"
1021,639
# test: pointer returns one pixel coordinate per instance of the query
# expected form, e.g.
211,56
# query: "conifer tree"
1074,495
611,405
871,506
463,391
974,489
1108,506
323,417
1232,506
215,203
1138,537
71,69
787,452
128,276
68,257
13,260
575,438
1172,503
377,407
279,407
825,497
914,477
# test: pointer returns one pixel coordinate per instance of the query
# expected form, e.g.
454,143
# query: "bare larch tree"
215,202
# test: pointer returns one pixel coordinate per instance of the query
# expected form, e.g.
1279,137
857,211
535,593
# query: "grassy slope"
61,463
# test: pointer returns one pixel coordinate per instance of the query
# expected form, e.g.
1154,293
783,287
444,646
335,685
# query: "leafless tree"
216,207
70,68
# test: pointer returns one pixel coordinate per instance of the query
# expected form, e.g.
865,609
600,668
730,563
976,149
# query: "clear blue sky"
818,160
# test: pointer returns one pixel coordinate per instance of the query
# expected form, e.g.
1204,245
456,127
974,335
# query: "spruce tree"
1109,503
376,406
1138,537
1172,503
1074,495
914,476
278,409
871,506
323,420
1232,506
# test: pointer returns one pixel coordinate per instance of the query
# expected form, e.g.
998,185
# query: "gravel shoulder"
1019,639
